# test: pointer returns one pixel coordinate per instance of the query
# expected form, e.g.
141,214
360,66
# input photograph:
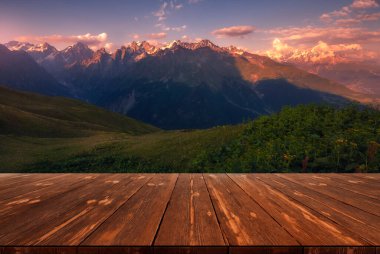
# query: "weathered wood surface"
189,213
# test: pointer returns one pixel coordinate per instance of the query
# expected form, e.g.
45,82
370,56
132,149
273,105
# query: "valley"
54,134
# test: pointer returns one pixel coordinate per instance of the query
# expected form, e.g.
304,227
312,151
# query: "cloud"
332,35
350,13
233,31
157,36
319,53
94,41
194,1
347,22
166,28
161,12
149,37
343,12
364,4
178,28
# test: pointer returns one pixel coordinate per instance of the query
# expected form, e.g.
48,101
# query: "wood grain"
351,218
304,224
189,213
242,220
137,221
363,202
190,206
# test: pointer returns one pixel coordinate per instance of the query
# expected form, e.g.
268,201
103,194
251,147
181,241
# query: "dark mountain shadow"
19,71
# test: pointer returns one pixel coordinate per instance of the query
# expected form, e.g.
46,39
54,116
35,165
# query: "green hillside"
28,114
51,134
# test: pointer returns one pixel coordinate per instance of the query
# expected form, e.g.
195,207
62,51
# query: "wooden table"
189,213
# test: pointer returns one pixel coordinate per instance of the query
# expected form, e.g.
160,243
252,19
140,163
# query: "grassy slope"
107,152
37,130
28,114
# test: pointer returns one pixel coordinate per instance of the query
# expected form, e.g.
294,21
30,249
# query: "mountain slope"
19,71
188,85
28,114
199,87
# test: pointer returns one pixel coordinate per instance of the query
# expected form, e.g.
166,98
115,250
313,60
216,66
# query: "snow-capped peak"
17,45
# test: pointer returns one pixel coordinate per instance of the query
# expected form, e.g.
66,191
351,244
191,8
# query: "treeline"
311,138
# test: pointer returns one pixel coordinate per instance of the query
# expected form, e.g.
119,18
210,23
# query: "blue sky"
247,23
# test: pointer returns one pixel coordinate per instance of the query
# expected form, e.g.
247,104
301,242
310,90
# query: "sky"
274,27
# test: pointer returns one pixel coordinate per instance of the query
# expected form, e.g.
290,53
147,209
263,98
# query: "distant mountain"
358,72
186,85
19,71
363,76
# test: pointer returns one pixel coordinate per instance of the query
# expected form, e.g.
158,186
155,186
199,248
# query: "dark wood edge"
190,249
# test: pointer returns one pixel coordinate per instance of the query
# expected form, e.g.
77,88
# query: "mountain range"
177,86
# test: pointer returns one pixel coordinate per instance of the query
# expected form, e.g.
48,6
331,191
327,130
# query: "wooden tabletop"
189,213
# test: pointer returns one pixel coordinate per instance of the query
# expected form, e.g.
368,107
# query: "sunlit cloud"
354,11
233,31
156,36
161,12
364,4
149,37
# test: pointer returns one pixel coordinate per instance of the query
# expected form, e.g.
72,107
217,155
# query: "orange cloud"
233,31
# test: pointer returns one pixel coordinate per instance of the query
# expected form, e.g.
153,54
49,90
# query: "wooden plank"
31,226
360,201
103,206
137,221
360,185
115,250
40,250
375,177
365,224
304,224
191,250
340,250
242,220
23,179
32,194
350,184
190,206
31,186
266,250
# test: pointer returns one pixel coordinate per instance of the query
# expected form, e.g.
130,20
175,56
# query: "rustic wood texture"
189,213
190,207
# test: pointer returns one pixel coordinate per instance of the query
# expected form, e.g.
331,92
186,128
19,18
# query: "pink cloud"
156,36
233,31
364,4
350,10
